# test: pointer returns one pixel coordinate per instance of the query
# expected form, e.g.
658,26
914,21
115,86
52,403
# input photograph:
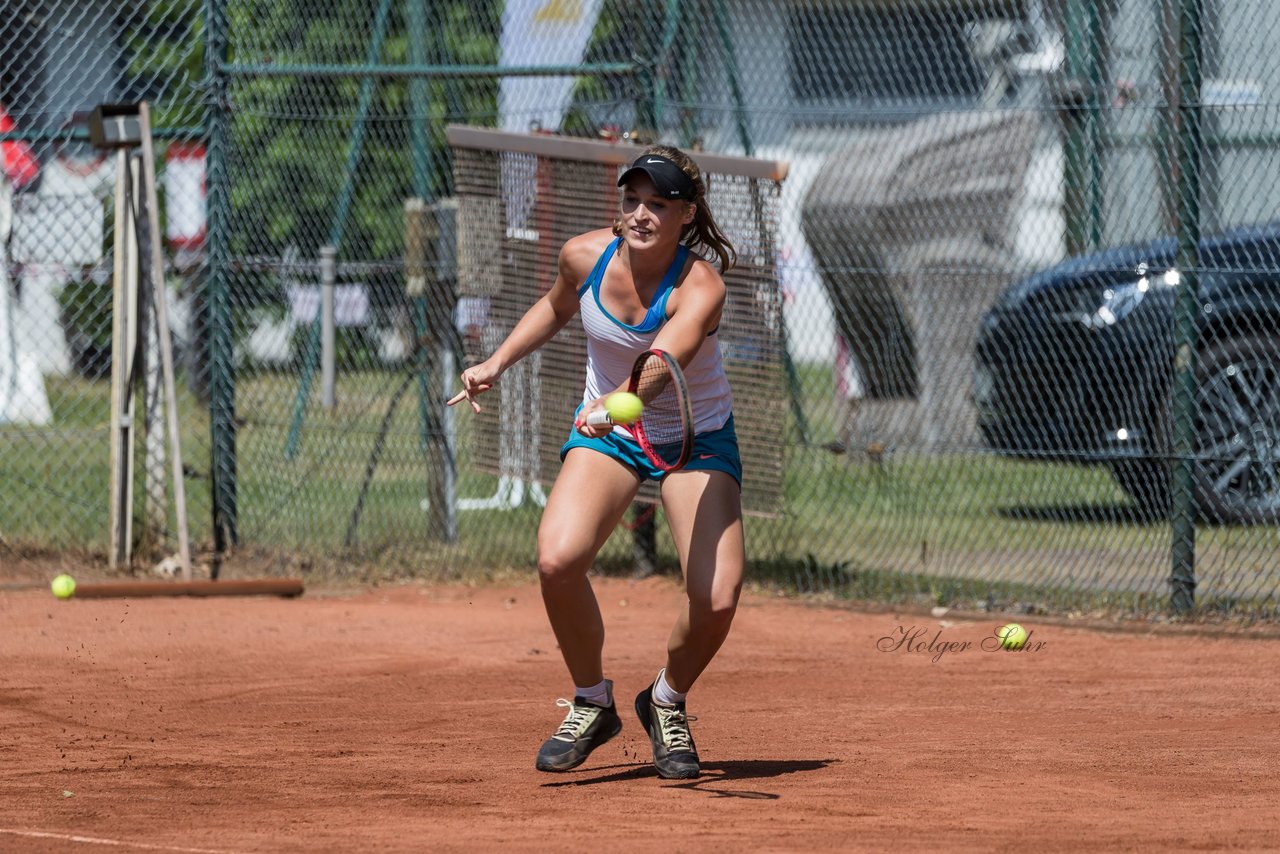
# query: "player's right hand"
591,431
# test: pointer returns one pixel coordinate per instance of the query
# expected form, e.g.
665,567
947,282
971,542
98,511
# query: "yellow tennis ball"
623,407
63,586
1012,636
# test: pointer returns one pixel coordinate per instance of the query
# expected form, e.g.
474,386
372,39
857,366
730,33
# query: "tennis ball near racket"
63,586
623,407
1012,636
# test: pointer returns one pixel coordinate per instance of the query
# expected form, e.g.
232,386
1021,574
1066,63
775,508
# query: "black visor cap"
670,180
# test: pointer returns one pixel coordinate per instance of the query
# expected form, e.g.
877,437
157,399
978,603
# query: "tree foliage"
294,136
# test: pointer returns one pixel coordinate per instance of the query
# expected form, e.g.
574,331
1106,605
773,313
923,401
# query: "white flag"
541,32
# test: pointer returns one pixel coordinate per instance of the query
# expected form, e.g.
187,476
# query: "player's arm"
539,325
696,314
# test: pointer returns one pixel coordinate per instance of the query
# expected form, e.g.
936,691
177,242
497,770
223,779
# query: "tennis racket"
665,427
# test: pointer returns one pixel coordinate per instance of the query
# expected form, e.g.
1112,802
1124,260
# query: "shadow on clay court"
1099,514
713,774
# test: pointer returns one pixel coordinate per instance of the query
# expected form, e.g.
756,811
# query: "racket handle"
598,417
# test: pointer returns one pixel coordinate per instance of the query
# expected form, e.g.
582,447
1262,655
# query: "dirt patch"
407,718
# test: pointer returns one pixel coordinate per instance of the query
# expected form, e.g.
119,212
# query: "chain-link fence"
1025,256
60,199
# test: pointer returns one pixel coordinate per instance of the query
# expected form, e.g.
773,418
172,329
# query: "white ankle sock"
664,693
597,695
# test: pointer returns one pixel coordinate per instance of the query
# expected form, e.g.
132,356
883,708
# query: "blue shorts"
715,450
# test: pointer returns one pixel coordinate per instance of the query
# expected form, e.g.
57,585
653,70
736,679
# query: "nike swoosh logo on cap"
654,160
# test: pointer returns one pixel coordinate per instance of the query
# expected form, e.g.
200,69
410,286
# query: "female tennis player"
639,286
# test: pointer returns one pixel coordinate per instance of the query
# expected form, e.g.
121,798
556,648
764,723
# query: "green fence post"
419,105
1182,579
222,390
1094,74
662,63
735,84
1081,116
432,314
690,81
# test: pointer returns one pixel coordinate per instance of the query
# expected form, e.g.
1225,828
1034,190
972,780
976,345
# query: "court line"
93,840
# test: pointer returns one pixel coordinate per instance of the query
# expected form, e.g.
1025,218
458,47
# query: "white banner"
541,32
22,395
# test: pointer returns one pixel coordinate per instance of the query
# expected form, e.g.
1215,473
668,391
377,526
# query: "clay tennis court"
407,718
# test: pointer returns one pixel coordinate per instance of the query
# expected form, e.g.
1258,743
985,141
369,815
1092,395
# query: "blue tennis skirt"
714,450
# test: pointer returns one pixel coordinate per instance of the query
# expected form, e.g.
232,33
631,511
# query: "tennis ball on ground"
1012,636
623,407
63,586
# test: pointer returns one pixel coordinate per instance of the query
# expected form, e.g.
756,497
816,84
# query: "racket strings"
665,418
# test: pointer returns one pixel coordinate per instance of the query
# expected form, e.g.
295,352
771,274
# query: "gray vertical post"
328,336
1182,579
123,347
153,427
160,303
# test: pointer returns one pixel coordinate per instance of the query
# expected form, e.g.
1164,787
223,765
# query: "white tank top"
612,347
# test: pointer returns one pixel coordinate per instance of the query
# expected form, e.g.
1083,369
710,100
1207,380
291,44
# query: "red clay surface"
407,718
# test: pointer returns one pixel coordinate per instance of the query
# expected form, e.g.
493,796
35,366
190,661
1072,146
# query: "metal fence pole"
222,404
670,23
431,305
1081,113
1187,191
735,82
420,107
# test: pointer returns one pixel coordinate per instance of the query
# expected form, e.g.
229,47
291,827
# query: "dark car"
1076,364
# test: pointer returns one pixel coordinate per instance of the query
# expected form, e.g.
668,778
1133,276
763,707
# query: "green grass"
942,528
56,479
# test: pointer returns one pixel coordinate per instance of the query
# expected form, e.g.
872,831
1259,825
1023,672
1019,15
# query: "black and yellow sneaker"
586,727
674,753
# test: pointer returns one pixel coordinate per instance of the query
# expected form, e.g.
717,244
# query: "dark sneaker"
674,753
586,727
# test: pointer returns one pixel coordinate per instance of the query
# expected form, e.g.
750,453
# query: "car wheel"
1238,430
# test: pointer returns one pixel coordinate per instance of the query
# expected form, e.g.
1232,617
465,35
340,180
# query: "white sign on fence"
62,229
350,304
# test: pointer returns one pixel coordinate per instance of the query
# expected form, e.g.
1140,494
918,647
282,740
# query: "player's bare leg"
590,495
704,513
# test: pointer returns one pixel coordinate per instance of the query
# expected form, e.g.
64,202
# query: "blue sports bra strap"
658,308
673,272
598,270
